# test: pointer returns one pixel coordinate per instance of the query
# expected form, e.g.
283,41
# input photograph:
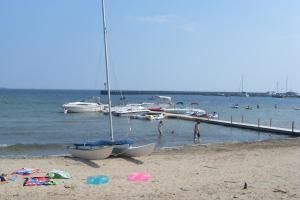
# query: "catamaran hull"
92,154
138,151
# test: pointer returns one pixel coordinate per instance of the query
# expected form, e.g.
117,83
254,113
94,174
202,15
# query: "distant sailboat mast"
242,84
106,69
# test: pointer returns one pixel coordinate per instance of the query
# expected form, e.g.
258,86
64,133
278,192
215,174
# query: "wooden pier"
254,127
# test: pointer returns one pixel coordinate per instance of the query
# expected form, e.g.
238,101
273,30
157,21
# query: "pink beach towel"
139,176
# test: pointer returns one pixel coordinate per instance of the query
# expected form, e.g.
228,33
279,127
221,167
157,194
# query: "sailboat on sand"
102,149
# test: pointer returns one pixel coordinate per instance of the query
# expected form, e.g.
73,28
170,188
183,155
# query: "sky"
191,45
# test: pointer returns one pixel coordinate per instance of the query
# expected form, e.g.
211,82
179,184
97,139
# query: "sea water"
32,122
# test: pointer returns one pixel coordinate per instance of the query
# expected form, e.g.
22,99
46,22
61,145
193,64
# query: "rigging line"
113,70
99,60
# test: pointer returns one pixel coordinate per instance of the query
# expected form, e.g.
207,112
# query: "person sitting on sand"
3,177
197,132
160,127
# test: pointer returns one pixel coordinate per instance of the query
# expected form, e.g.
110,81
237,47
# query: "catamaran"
102,149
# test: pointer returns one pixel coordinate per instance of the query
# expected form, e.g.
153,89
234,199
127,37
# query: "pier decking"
254,127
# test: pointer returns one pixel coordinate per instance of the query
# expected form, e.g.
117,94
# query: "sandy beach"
218,171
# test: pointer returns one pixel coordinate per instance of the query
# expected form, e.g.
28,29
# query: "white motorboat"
127,110
179,108
78,107
185,111
90,105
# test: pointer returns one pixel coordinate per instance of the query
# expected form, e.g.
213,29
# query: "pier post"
242,118
271,122
258,122
231,119
293,126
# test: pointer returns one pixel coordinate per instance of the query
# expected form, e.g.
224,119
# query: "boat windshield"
92,100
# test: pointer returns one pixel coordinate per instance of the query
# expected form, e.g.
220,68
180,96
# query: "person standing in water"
197,132
160,127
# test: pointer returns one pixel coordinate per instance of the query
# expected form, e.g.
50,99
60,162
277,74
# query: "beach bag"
58,174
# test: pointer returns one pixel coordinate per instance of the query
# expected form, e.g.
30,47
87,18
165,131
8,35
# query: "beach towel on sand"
58,174
36,181
138,176
26,171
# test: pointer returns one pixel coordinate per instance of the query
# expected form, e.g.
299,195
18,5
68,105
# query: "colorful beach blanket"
37,181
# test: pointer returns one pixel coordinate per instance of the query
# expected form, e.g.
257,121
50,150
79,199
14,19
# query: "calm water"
32,122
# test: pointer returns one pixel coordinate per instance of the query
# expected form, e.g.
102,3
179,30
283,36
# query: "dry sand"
271,170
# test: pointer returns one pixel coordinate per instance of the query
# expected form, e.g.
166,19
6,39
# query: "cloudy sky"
193,45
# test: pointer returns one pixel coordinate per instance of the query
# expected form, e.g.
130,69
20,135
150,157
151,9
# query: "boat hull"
129,151
148,117
77,109
99,153
129,113
185,111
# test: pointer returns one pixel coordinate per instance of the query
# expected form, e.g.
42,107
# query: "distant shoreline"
164,92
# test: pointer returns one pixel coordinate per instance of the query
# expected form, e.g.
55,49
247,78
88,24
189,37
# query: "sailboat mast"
242,83
106,69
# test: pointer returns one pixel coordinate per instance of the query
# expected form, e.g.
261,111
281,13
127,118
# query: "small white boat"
248,108
128,110
130,151
185,111
91,153
213,115
148,116
235,106
297,108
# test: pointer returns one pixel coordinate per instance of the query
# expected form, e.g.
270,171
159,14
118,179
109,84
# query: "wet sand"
271,170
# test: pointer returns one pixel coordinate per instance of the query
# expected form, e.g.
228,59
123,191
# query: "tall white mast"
106,69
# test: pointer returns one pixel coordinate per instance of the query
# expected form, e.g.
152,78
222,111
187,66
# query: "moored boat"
92,104
148,116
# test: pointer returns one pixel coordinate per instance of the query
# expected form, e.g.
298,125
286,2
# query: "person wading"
197,132
160,127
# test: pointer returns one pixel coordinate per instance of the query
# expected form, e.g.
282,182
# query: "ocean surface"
32,122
